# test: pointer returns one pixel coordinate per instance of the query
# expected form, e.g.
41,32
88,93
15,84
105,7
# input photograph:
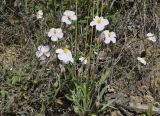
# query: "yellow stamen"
68,16
99,20
65,50
109,34
54,31
43,52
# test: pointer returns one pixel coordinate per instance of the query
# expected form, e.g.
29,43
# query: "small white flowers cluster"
65,54
151,37
83,60
100,24
39,14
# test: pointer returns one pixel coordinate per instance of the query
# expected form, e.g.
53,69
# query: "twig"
139,109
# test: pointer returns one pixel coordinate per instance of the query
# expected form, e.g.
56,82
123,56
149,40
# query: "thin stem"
76,33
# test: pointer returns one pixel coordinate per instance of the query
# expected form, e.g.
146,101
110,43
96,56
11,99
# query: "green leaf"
15,79
106,105
150,106
104,77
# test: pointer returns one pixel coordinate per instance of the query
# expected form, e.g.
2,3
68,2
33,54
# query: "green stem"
76,33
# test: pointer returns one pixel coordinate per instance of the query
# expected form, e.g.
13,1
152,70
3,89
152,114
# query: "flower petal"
92,23
54,38
69,54
65,61
39,47
106,33
74,17
154,39
107,40
66,20
81,59
149,35
66,12
60,33
45,48
142,60
113,39
113,34
105,22
39,14
48,54
38,54
43,58
59,51
50,34
99,27
62,57
85,62
72,60
96,17
59,30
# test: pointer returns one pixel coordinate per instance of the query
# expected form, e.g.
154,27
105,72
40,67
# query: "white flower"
68,17
39,14
43,52
141,60
100,23
65,55
55,34
109,36
83,60
151,37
